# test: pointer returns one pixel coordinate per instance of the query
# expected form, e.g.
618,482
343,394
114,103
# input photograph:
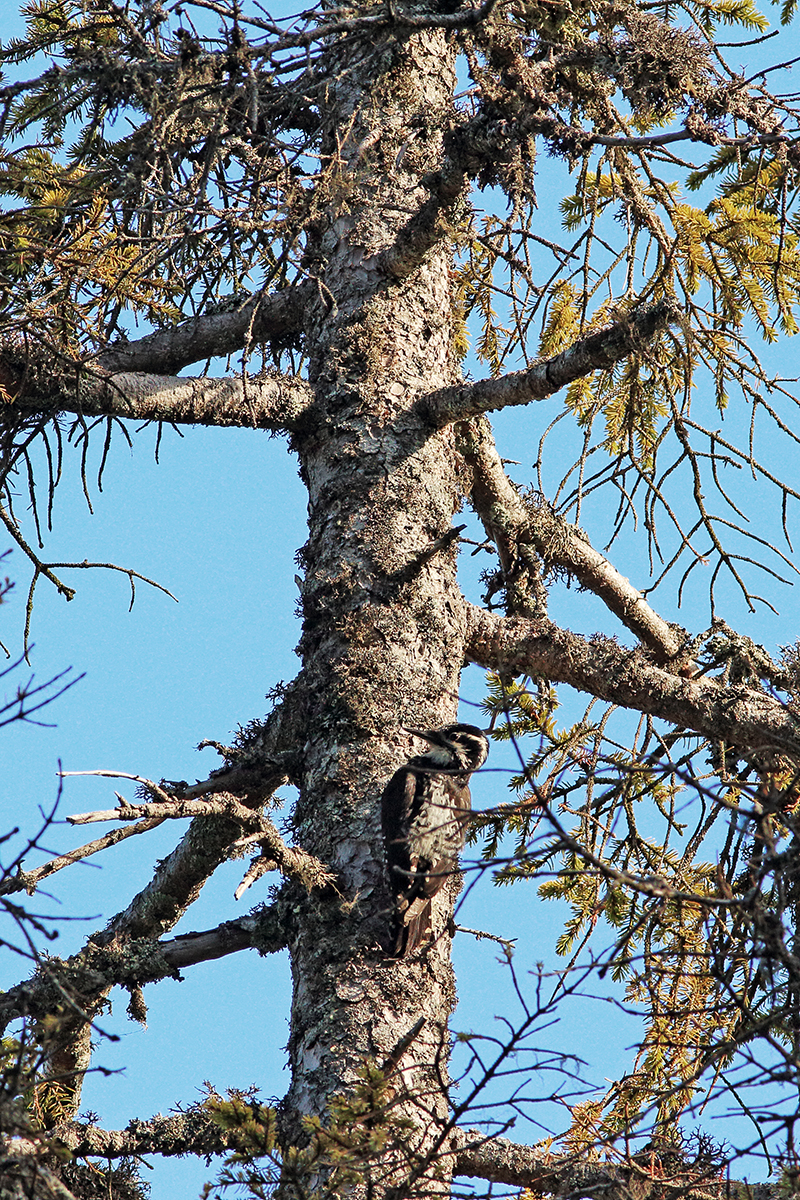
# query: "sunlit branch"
596,352
41,567
178,878
696,131
294,863
276,317
68,593
174,886
28,881
426,227
262,401
190,1132
262,864
474,1155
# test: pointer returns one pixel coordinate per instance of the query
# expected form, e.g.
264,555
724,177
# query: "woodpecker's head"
452,750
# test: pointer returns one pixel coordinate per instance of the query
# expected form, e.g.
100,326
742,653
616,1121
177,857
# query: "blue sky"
218,522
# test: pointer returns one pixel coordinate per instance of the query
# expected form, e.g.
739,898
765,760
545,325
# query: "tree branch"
426,227
462,18
595,352
28,881
266,931
516,525
277,317
753,723
474,1155
189,1132
499,1160
261,765
137,962
259,770
261,401
293,863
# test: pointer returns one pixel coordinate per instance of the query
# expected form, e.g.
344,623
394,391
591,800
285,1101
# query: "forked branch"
514,524
295,864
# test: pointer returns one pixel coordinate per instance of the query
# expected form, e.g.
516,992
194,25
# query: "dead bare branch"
294,863
28,881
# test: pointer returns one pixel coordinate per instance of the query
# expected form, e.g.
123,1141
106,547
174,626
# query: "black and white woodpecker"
424,812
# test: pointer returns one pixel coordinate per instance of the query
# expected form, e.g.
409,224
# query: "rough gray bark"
383,621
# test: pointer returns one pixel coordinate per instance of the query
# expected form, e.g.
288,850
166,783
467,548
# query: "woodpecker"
424,812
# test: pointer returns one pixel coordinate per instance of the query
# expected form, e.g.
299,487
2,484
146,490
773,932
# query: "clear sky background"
218,522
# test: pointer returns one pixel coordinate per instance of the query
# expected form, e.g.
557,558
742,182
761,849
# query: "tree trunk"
384,621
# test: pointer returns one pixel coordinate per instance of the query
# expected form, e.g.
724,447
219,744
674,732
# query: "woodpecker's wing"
412,925
424,811
451,819
396,809
461,800
414,928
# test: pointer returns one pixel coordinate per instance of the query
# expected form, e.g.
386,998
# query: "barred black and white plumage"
424,812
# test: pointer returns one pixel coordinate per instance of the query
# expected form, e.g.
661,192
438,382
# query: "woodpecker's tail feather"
412,928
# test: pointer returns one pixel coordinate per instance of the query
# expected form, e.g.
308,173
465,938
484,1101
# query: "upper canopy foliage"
169,163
